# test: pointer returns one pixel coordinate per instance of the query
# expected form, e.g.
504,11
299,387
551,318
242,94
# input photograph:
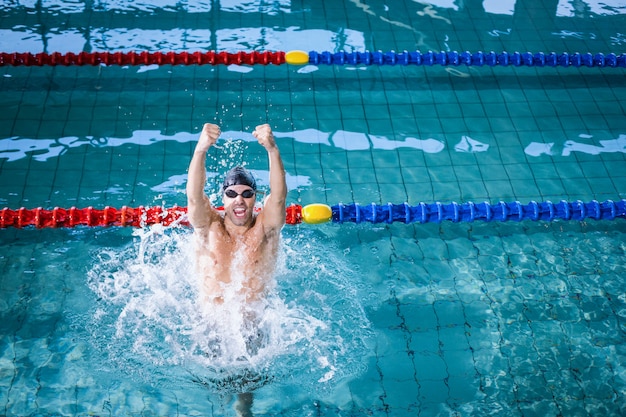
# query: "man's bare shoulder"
264,230
214,226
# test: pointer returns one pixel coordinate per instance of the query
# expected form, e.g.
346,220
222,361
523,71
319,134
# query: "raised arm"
274,207
199,210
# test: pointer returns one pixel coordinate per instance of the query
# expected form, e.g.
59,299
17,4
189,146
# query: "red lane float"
109,216
141,58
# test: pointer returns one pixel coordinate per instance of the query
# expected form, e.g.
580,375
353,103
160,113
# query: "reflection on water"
584,8
24,39
275,7
178,28
571,146
16,148
169,6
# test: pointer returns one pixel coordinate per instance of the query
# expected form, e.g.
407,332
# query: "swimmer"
238,240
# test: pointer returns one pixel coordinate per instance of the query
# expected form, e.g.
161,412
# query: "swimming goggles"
234,194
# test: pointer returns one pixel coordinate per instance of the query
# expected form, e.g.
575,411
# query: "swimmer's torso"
224,261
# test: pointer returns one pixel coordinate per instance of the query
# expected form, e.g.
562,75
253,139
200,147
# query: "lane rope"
296,57
321,213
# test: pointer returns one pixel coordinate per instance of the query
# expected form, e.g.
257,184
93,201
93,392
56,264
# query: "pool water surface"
451,319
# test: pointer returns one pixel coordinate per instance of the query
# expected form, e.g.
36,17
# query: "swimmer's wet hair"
239,176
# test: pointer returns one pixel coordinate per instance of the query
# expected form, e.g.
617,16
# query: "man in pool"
238,241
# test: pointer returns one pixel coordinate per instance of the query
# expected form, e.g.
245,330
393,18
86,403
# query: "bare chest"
249,257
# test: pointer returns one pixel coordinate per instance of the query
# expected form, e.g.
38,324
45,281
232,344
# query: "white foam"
154,324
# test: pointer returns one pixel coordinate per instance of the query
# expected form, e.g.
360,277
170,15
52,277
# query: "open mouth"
239,211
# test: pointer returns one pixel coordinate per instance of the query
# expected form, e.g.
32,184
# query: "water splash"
150,321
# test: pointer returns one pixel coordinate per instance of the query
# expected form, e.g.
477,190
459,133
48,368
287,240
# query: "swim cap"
239,176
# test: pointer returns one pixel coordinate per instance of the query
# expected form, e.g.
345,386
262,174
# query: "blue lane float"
454,58
470,212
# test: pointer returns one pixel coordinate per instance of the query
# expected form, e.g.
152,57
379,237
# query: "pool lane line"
297,57
321,213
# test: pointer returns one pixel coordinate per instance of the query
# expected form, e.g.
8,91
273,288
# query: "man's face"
239,204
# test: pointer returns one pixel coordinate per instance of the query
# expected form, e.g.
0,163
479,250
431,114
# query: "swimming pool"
420,319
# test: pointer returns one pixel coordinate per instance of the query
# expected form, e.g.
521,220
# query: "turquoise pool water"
438,319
